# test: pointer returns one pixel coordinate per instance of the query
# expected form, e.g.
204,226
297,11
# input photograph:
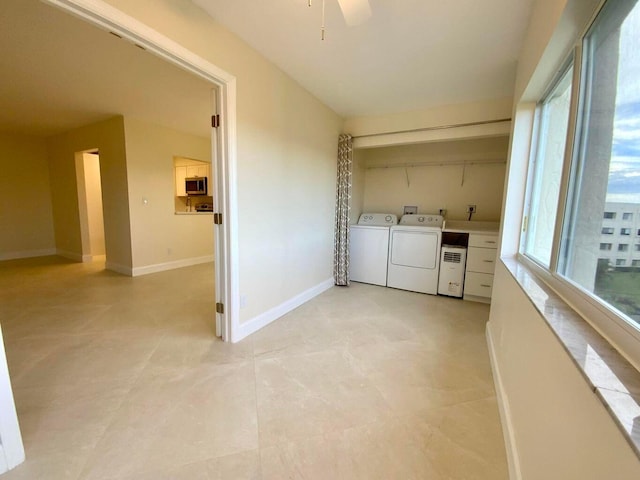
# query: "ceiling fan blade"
355,11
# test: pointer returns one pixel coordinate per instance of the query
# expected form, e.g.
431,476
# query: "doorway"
90,207
223,142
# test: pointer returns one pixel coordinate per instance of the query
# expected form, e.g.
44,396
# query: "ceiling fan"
355,12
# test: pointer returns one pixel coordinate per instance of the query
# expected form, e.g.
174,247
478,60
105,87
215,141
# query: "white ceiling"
59,73
410,55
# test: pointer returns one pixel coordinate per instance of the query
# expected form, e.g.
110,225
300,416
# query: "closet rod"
438,164
439,127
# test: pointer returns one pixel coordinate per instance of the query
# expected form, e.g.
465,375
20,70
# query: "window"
607,231
627,216
635,263
606,246
610,215
623,247
546,171
636,247
606,157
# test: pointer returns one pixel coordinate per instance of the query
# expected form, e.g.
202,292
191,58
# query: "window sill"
611,377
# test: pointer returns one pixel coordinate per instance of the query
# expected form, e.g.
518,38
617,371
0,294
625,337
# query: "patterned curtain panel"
343,207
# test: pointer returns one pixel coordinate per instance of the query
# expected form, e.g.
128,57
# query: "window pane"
605,177
547,170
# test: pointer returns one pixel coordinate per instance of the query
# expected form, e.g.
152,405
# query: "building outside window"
595,183
606,156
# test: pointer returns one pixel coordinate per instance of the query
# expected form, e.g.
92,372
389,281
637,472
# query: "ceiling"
59,73
410,55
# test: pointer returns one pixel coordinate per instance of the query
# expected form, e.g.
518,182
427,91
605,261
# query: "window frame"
534,158
610,322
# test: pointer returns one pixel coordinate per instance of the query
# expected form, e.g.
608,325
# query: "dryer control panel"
422,220
378,219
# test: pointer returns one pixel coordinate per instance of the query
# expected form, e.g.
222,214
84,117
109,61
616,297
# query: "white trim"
28,254
161,267
264,319
123,269
76,257
464,132
12,447
105,16
513,460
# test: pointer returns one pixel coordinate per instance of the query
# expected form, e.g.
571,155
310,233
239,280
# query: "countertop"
462,226
193,213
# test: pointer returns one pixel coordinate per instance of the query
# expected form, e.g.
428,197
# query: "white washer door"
369,252
414,249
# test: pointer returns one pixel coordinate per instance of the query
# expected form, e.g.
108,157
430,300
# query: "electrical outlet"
471,209
443,212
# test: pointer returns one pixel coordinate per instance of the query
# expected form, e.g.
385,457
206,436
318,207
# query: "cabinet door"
478,284
197,170
481,260
181,174
485,241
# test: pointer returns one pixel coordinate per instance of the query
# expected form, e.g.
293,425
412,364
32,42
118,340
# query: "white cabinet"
481,264
181,174
197,171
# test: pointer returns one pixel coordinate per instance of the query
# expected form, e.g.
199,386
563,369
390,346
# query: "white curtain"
343,207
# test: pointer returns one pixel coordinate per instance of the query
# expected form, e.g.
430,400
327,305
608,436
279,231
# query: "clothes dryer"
414,253
369,248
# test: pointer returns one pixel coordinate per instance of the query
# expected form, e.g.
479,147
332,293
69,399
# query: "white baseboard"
161,267
76,257
114,267
513,459
27,254
256,323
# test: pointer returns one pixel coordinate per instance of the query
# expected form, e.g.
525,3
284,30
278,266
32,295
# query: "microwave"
195,185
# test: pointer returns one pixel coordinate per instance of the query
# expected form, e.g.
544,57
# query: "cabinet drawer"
478,284
486,241
481,260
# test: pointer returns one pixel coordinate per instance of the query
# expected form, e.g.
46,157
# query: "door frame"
109,18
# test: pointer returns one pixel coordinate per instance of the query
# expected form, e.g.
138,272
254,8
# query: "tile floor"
121,378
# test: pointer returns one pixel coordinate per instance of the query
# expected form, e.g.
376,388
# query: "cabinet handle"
486,286
488,261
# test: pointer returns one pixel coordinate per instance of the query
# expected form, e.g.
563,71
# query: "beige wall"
158,235
358,173
26,218
432,117
108,138
388,185
559,428
286,150
562,430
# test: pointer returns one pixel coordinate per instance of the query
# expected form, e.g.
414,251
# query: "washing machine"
414,253
369,248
